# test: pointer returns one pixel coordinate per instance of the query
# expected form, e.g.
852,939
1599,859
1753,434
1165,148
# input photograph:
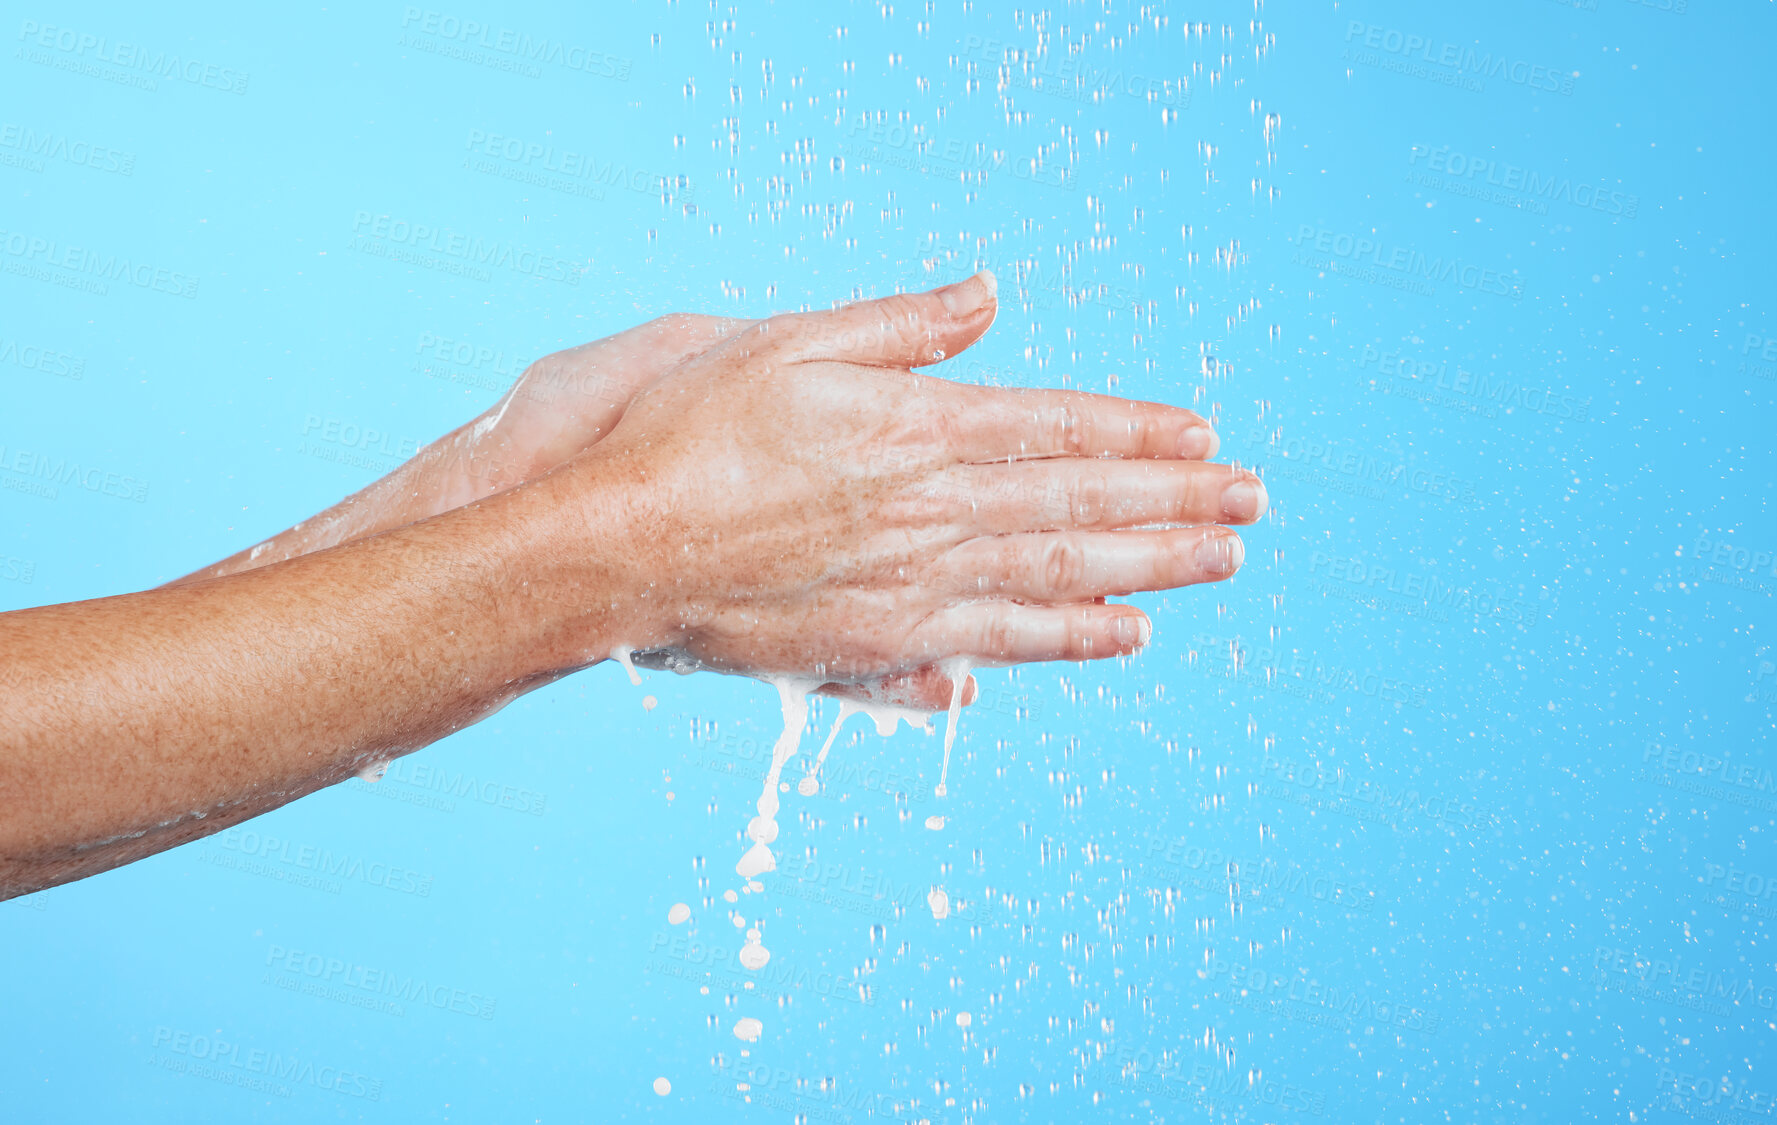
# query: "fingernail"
1243,500
1131,630
968,296
1221,555
1199,443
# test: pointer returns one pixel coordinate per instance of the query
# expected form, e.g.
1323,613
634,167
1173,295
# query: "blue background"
1455,805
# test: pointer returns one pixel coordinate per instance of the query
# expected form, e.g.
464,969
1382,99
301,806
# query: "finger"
925,689
1070,566
906,330
1073,493
996,423
1008,633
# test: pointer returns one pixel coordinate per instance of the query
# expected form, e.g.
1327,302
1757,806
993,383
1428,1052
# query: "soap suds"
662,1086
679,913
964,1019
373,772
753,954
748,1029
621,654
811,784
935,823
958,671
762,829
939,902
648,701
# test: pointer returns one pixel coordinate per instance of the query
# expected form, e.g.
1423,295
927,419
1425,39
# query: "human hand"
805,505
561,405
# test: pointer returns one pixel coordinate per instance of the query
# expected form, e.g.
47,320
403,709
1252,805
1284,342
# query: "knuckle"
1063,566
1078,634
998,636
1087,501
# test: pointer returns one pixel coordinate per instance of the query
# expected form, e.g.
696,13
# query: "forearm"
457,469
289,678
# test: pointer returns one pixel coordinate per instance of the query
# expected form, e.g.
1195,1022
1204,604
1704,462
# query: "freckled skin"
781,497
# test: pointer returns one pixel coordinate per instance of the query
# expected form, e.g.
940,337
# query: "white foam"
662,1086
762,829
648,701
964,1019
757,861
939,902
958,671
935,823
748,1029
753,954
621,654
679,913
373,772
811,784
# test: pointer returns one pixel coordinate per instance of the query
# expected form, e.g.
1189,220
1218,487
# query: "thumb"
905,330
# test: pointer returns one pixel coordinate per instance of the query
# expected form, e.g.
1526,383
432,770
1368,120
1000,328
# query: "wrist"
573,576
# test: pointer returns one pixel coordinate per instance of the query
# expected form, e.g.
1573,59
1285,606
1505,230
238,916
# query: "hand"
806,505
559,407
568,400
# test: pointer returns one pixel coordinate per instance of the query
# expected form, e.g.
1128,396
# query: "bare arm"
139,722
561,406
792,502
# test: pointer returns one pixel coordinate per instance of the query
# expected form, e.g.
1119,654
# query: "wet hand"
808,505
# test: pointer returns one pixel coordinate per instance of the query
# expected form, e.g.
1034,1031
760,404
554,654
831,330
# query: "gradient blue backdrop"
1455,805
